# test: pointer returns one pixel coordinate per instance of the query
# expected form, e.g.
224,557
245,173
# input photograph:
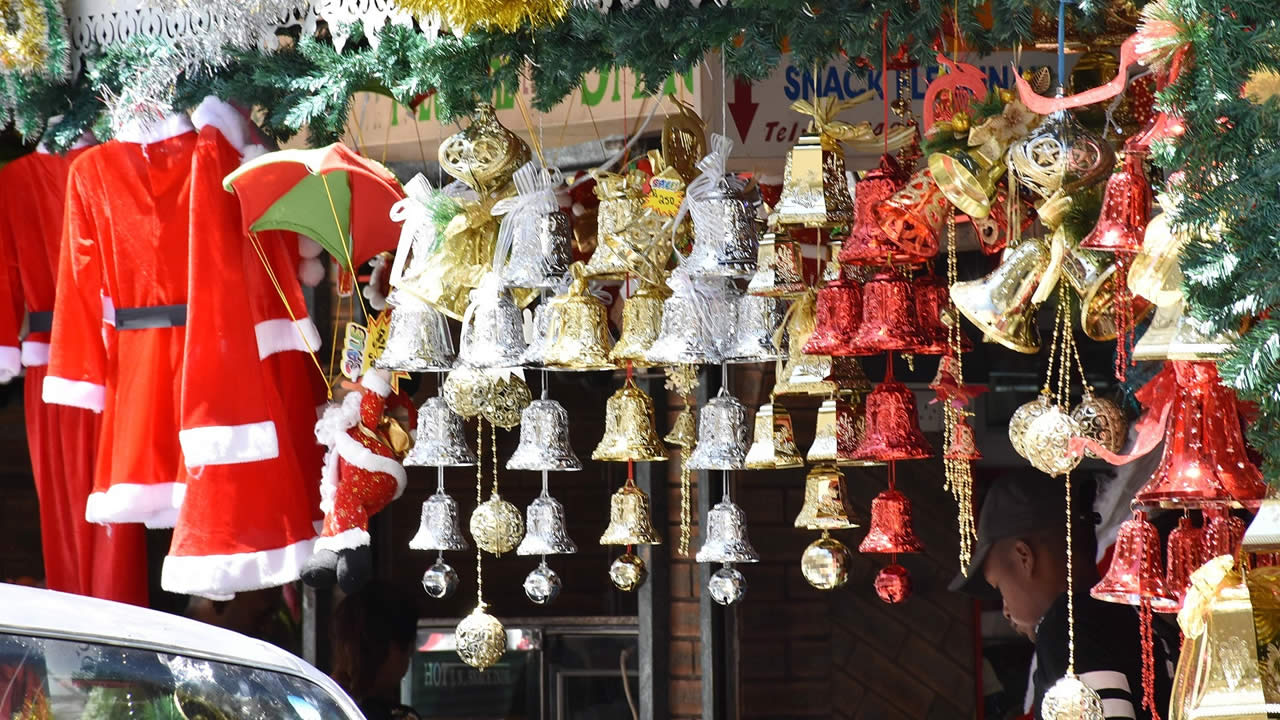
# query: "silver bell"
439,529
752,341
544,439
536,352
726,536
439,440
725,234
418,338
689,319
492,328
544,532
722,435
541,234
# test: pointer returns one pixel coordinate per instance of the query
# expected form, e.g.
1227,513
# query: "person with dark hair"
373,643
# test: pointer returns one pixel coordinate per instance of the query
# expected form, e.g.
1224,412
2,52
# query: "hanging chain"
493,436
686,504
958,472
479,491
1071,590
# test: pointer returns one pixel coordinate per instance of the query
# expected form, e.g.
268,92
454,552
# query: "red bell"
913,217
839,312
1135,572
893,584
962,445
933,313
1221,535
891,526
893,432
867,243
888,316
1183,557
1204,460
1126,206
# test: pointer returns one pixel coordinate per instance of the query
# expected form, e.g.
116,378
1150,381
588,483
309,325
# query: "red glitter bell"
1204,461
1126,206
1135,573
962,445
867,243
913,217
839,312
934,314
893,584
888,316
891,526
893,432
1221,535
1183,557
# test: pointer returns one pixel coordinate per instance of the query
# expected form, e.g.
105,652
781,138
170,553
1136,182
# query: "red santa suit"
79,557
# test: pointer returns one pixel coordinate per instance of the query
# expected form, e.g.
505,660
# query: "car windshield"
46,679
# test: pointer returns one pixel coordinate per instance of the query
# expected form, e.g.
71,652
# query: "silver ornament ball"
542,585
727,585
440,580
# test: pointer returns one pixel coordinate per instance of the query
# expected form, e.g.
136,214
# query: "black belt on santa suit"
154,316
40,321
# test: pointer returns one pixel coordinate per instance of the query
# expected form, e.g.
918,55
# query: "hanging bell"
968,177
888,316
891,530
779,267
438,439
541,234
774,444
629,522
815,191
825,563
438,528
535,353
867,244
1126,206
1061,155
1101,420
628,428
641,324
1191,341
803,373
839,312
913,217
841,426
826,503
492,328
848,377
757,319
722,435
831,270
683,433
725,234
545,532
418,338
544,439
620,204
726,536
1048,442
1183,557
934,316
1000,304
962,445
1221,535
579,329
893,430
893,584
688,335
1093,277
1135,574
1155,273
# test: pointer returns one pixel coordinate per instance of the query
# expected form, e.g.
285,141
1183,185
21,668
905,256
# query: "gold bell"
826,504
1174,336
815,189
1154,273
774,443
629,522
641,324
628,428
841,425
579,329
779,267
1000,304
683,431
623,244
804,374
968,177
1093,278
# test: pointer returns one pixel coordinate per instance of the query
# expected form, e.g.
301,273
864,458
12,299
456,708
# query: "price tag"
353,351
376,342
665,195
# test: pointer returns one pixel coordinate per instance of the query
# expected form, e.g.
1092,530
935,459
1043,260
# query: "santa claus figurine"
362,475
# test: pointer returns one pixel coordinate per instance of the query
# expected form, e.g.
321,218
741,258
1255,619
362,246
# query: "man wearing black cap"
1021,552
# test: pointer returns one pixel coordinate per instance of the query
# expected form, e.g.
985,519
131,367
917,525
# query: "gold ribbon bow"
824,112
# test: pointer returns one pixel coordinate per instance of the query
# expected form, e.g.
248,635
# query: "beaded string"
1071,596
958,473
479,491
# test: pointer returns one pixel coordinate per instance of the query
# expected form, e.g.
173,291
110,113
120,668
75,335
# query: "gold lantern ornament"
485,155
815,189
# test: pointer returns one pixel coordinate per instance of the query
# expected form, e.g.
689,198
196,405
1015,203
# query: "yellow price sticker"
665,196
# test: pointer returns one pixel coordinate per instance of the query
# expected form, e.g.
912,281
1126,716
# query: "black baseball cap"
1014,507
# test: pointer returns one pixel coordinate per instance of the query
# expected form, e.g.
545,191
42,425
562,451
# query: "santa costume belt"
154,316
40,321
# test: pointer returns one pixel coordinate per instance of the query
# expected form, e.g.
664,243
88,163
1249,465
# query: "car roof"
46,613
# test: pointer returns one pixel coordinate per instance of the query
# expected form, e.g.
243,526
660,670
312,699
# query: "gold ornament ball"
1102,421
466,391
497,526
825,563
505,400
1048,442
1071,699
628,572
480,638
1022,419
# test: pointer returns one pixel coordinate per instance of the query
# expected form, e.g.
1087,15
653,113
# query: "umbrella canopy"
330,194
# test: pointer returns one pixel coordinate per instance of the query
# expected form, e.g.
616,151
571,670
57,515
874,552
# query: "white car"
67,657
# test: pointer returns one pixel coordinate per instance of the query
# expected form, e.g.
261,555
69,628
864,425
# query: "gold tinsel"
503,15
27,48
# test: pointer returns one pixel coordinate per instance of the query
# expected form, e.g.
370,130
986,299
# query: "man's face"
1011,569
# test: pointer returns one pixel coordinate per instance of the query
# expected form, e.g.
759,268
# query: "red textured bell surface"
962,445
1183,557
893,431
839,312
1204,461
1126,206
1221,535
888,316
867,243
913,217
893,584
1135,573
933,315
891,530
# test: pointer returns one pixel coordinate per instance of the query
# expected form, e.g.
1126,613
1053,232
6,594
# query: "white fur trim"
376,380
35,354
252,152
345,540
145,133
309,248
229,444
284,335
108,311
226,118
311,272
10,363
362,457
154,505
76,393
221,576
